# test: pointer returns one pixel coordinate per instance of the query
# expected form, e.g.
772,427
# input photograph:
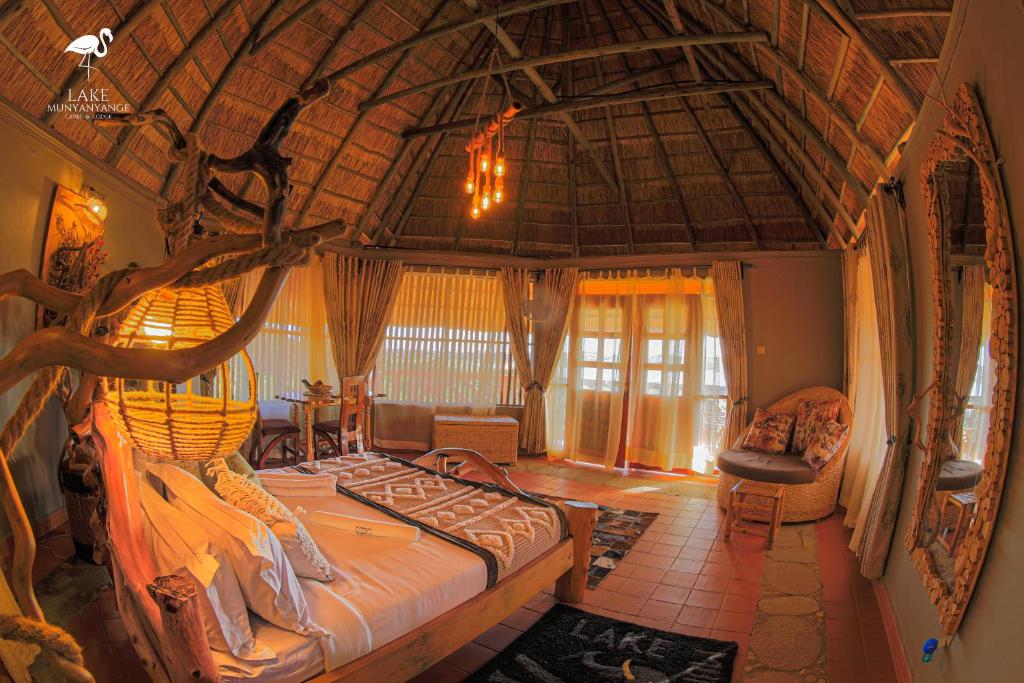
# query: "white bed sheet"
383,589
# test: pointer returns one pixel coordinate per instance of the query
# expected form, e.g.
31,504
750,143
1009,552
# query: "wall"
988,52
34,164
794,309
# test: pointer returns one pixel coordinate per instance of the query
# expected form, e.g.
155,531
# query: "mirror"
974,360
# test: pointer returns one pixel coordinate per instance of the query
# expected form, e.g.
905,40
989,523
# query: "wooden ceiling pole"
780,60
572,55
632,77
454,103
569,88
181,60
78,76
266,39
525,185
907,13
613,139
350,134
585,102
512,48
222,82
670,176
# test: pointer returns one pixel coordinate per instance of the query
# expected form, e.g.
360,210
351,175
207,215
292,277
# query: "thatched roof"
786,165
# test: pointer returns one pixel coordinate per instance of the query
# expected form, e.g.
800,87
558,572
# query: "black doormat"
571,646
614,535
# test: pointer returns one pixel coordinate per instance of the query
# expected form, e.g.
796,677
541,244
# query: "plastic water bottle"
930,646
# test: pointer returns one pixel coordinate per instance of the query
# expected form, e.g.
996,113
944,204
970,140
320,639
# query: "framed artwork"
73,245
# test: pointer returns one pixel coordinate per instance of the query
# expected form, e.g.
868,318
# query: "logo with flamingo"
90,46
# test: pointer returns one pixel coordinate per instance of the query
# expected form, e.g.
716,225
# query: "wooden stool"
962,505
755,508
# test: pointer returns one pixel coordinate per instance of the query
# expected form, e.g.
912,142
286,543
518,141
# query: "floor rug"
614,535
569,646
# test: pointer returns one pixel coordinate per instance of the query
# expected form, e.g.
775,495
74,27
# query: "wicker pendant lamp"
175,421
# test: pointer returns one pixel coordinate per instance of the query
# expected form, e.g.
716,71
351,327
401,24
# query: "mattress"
383,589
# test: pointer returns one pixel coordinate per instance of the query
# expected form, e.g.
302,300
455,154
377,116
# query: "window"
446,342
974,435
641,374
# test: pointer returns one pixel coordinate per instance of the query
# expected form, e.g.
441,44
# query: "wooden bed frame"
163,619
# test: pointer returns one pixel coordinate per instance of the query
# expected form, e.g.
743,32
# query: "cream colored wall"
794,309
33,164
988,52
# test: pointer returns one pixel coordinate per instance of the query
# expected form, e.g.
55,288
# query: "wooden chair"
279,431
346,434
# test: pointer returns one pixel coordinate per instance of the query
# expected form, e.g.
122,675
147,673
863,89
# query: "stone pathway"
787,643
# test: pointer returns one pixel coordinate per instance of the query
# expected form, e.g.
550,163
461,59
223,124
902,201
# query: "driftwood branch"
23,284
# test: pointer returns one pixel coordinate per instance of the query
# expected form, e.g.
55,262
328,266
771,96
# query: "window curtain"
655,341
978,394
292,345
887,249
359,295
677,398
445,341
868,441
971,318
555,292
728,279
851,291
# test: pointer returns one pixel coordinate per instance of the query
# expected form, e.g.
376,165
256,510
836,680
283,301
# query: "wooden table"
755,508
310,405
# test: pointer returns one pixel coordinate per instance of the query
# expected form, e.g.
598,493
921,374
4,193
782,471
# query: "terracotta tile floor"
680,577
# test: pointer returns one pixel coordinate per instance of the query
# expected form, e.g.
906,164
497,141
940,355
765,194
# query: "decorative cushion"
299,546
768,467
810,417
825,444
770,432
180,547
264,574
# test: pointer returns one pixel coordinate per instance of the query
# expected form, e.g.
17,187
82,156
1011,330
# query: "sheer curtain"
446,341
642,355
979,396
868,440
586,394
293,344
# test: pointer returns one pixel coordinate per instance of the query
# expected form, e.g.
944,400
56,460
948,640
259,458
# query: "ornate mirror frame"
965,133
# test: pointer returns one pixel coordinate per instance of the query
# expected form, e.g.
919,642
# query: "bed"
383,621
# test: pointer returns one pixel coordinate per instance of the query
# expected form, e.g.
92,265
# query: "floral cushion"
770,432
810,417
825,444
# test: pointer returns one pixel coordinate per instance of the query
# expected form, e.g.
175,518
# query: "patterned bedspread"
507,530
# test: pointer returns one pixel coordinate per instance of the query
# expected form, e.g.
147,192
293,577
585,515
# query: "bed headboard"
159,612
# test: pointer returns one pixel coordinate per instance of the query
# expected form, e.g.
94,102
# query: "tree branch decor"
247,236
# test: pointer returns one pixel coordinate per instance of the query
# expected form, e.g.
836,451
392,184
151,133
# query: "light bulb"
499,166
475,212
498,196
469,186
485,162
485,202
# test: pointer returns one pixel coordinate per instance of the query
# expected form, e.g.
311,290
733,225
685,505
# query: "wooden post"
183,626
581,517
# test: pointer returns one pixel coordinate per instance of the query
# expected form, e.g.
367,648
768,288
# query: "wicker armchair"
810,501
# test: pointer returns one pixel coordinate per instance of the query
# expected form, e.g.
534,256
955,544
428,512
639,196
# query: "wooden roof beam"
670,176
573,55
584,102
613,139
479,19
350,134
905,13
777,58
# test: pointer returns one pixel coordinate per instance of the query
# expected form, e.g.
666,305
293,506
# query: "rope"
176,219
278,255
228,219
47,636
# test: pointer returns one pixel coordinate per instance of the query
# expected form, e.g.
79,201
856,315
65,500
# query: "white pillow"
180,547
300,548
264,574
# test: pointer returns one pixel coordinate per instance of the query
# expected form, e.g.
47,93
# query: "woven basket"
804,502
182,421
